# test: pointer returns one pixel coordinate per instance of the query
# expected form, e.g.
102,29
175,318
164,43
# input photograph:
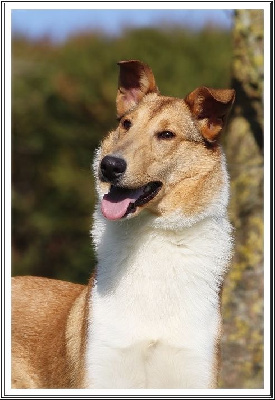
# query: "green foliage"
63,102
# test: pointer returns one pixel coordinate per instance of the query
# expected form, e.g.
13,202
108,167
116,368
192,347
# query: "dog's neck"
201,251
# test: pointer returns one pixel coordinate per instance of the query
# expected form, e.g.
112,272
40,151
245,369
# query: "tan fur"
187,152
48,333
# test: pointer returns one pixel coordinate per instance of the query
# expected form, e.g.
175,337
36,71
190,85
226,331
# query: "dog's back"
46,315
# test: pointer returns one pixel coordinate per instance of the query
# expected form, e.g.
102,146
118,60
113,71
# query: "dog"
150,316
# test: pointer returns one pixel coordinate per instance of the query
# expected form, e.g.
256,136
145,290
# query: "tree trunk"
242,346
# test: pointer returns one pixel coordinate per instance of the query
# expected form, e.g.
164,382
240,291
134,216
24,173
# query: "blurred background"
64,82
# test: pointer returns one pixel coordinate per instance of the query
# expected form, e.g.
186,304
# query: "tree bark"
242,344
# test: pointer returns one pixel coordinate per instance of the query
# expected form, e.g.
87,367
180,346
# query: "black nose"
112,168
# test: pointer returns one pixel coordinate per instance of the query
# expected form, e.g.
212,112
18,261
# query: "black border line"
3,208
272,199
3,308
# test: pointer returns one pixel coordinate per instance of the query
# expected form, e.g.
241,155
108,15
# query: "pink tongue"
115,203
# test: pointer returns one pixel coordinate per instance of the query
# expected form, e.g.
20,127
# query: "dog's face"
164,155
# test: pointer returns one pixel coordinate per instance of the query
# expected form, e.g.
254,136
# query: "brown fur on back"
45,312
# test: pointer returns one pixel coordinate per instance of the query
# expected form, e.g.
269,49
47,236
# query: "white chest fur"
154,312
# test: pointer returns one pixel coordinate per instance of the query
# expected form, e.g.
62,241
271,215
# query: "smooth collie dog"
150,315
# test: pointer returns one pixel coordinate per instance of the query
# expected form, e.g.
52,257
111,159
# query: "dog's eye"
126,123
166,135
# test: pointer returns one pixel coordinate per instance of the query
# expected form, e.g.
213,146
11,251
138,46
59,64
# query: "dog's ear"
210,108
136,79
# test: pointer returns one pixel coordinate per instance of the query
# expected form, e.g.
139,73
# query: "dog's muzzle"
120,201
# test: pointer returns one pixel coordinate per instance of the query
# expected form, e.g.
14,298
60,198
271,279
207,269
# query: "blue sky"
59,24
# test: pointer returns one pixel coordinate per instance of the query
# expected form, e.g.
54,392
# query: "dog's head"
164,155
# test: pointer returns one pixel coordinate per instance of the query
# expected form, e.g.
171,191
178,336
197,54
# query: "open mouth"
120,202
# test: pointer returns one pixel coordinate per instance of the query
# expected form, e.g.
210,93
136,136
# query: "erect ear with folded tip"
210,108
136,79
